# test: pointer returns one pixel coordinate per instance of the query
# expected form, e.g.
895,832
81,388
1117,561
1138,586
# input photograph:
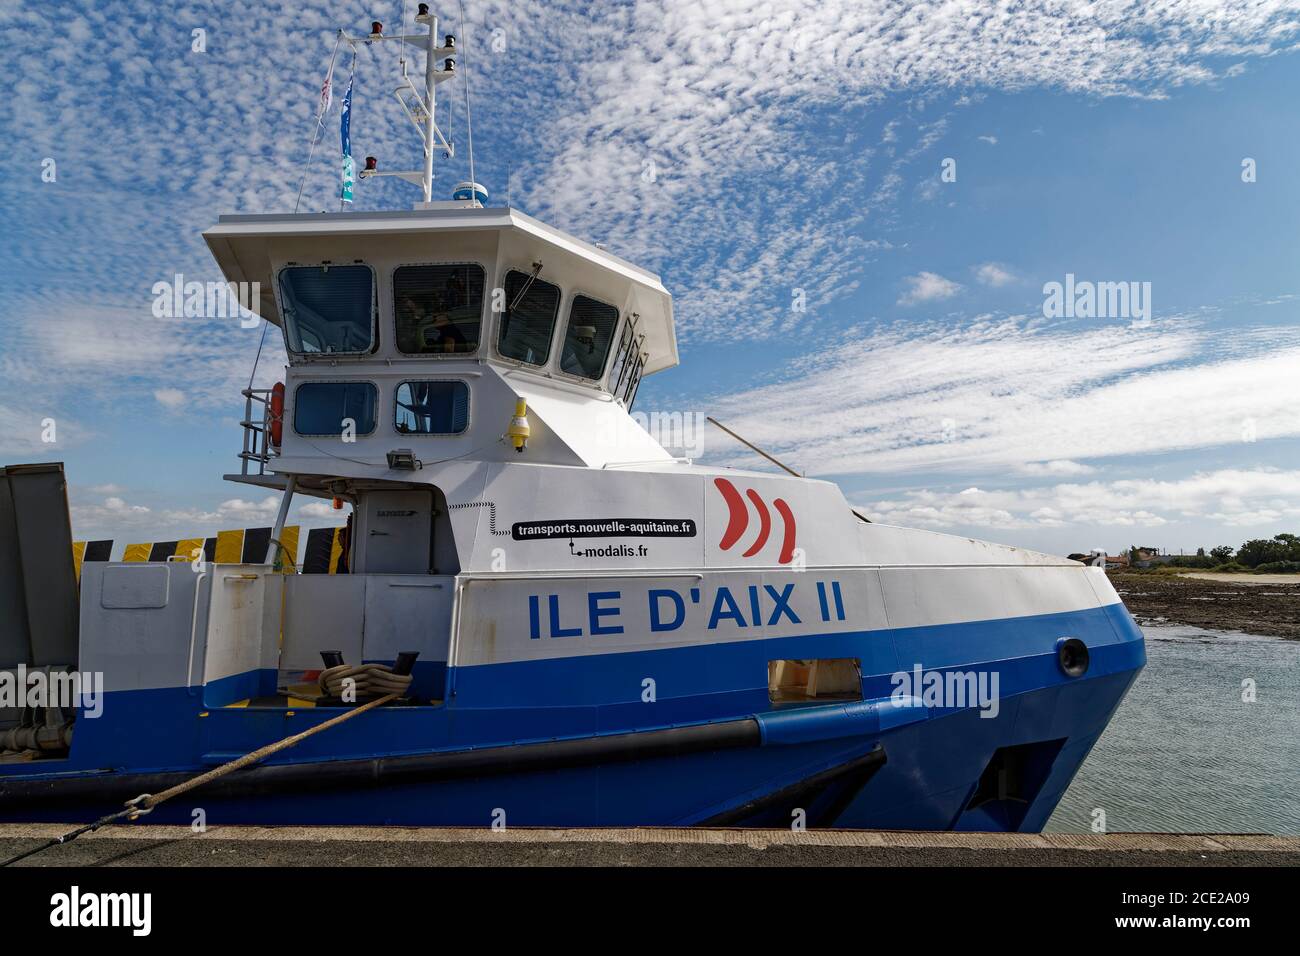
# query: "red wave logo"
738,521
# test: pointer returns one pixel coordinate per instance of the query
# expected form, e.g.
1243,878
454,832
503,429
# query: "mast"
419,106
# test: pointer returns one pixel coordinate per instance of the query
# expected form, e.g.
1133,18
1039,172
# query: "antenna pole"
430,85
469,117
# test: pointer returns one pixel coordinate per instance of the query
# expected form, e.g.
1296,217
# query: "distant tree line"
1280,553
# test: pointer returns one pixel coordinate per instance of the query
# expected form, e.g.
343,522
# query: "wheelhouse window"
438,308
327,408
529,318
328,308
587,337
432,408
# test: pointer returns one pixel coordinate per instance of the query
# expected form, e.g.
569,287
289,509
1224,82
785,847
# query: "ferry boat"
584,630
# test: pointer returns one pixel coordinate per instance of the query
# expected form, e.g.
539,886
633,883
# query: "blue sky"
753,154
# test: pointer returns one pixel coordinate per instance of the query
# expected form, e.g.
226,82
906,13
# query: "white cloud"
996,394
27,413
991,140
712,94
108,517
120,358
169,398
114,516
239,508
994,274
117,516
1061,467
714,97
927,287
1232,498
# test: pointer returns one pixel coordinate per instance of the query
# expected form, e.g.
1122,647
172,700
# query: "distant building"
1149,557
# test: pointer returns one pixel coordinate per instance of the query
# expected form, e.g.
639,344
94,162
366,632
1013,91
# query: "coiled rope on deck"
355,681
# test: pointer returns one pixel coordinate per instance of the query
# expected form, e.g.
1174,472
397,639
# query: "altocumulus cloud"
1237,498
998,394
927,287
650,100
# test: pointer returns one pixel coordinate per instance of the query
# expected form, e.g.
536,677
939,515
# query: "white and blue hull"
564,689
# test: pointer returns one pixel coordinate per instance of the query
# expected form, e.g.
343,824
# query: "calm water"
1184,753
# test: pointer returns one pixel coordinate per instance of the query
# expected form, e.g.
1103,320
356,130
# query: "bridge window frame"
500,317
483,325
286,310
571,302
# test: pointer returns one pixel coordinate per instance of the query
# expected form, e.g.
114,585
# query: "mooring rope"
362,680
137,807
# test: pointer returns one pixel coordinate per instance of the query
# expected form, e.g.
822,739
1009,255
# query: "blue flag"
345,130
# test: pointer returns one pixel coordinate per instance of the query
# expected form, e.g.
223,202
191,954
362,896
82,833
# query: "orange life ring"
277,414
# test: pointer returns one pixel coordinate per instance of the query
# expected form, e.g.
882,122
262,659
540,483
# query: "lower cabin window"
799,681
432,408
327,408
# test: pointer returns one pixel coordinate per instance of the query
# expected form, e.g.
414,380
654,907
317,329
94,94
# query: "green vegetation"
1279,554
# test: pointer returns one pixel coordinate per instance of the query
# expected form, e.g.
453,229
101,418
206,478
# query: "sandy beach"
1251,580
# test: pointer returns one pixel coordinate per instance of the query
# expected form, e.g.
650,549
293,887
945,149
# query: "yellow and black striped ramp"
229,548
162,550
256,543
90,551
241,546
191,549
324,548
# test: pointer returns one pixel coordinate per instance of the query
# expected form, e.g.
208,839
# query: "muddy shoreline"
1272,609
